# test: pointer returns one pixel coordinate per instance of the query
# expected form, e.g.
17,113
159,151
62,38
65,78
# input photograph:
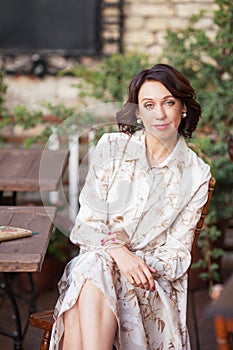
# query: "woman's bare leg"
90,323
72,335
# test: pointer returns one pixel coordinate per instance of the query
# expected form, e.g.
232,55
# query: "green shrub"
108,81
208,63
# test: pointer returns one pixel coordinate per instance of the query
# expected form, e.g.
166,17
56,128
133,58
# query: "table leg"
33,294
14,197
18,334
1,197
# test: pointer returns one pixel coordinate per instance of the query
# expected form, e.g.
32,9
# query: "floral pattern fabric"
158,208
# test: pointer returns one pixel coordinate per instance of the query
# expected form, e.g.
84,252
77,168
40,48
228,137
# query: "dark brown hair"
178,85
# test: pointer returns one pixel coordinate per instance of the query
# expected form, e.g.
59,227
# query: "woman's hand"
138,273
116,236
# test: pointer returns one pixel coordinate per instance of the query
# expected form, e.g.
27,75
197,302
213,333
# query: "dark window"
67,26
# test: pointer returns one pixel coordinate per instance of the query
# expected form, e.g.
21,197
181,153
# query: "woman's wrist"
114,250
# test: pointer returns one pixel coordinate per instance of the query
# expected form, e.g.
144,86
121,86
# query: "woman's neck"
158,150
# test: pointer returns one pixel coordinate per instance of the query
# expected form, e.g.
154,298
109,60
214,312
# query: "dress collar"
175,161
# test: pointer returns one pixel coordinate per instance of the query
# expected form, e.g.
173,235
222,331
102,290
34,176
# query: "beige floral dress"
158,208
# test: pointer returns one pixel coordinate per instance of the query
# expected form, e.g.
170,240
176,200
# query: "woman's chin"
163,134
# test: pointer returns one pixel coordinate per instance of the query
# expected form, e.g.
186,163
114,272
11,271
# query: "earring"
139,121
183,114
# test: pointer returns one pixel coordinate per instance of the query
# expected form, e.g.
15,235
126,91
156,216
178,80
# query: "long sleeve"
91,222
173,258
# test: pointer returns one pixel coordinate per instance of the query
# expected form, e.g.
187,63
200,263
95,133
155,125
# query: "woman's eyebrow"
152,98
147,99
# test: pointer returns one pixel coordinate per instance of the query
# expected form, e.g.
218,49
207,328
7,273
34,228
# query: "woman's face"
159,111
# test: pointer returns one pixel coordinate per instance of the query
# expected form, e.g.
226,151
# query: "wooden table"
25,254
31,169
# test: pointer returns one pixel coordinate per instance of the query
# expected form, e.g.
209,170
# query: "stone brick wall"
146,22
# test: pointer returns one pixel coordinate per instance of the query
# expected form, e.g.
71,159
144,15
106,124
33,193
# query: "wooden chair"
223,333
44,320
204,213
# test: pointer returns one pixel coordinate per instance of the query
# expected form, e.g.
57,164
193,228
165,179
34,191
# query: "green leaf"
108,80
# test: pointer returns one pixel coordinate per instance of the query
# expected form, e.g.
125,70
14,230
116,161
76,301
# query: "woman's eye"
149,105
169,102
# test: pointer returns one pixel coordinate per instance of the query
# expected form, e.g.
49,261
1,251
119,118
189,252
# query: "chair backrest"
203,213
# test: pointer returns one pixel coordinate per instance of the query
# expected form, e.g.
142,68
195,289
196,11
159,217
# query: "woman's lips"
161,126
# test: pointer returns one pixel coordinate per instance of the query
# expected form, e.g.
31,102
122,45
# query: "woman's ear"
184,108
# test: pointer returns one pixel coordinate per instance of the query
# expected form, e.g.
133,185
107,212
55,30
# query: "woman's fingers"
133,267
152,269
115,236
142,276
132,281
150,279
141,281
109,239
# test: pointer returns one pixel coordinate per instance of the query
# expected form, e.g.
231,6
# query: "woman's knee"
91,293
92,301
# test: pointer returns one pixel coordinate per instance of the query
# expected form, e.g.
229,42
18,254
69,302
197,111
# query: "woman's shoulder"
195,156
198,162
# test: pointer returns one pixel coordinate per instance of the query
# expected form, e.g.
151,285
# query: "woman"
138,209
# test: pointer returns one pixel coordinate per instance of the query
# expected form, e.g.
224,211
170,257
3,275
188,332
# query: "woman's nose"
159,112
